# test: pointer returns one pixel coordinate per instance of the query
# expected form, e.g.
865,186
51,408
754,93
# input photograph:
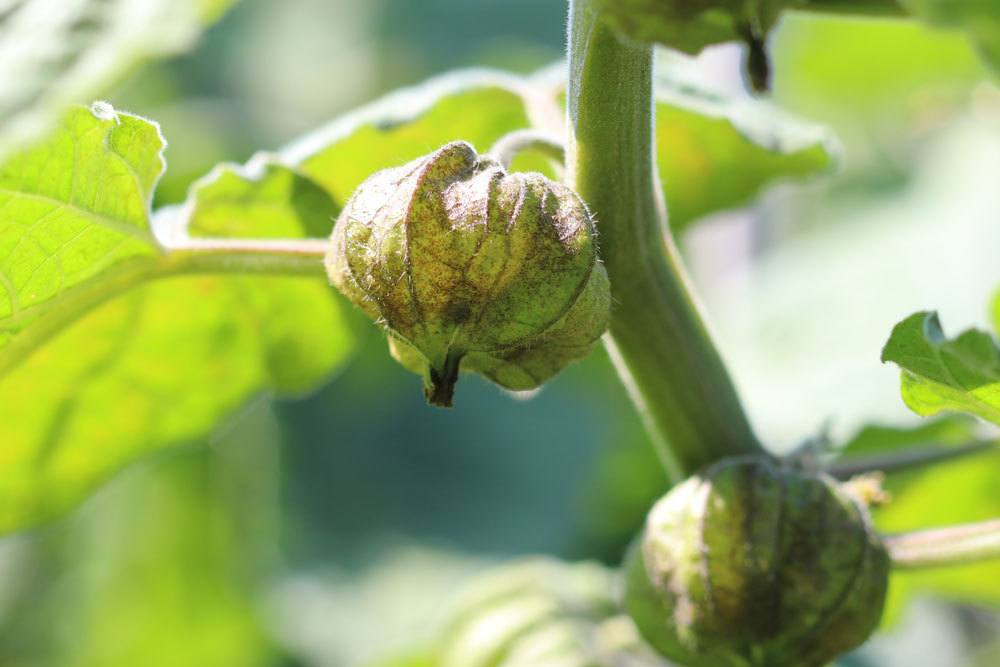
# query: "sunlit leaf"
166,361
715,152
73,207
941,374
477,107
57,52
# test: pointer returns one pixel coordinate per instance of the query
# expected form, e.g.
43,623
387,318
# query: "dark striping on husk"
754,564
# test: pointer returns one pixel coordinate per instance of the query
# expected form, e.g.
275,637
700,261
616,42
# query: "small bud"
474,269
753,565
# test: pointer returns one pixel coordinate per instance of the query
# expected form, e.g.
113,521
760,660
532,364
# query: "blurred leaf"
718,152
848,70
542,612
171,595
938,374
475,106
155,570
165,362
979,18
953,492
715,152
57,52
878,439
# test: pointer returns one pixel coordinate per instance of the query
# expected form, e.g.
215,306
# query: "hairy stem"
279,256
945,546
657,338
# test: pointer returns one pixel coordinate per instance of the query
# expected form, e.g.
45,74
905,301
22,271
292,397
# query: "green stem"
657,338
275,256
945,546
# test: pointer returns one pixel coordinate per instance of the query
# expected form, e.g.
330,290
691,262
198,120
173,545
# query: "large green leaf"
718,152
715,152
957,491
475,106
101,380
57,52
941,374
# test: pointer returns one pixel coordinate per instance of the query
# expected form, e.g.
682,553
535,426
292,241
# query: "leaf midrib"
121,226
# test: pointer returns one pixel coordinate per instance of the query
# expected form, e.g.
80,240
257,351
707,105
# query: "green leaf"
948,493
55,53
74,207
715,152
475,106
868,73
980,19
940,374
93,384
262,200
945,375
878,439
157,569
718,152
107,380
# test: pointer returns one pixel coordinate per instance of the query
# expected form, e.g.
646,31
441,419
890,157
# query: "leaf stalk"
953,545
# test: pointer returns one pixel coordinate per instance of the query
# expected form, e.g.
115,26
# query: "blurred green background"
332,530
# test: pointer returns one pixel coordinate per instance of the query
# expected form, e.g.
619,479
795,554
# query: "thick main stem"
657,338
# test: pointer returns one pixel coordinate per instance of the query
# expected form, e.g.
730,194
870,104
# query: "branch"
945,546
910,458
279,256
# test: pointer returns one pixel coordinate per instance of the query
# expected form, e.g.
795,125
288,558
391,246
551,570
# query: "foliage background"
332,530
